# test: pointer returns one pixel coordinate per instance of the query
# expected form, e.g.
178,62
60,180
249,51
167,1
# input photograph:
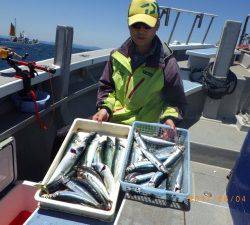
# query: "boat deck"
208,204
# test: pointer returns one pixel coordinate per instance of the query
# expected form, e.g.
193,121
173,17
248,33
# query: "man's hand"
101,115
170,123
170,134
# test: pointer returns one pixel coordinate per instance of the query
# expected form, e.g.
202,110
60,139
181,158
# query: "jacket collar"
155,59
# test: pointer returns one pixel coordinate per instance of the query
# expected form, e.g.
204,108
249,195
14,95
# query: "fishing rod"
8,55
26,75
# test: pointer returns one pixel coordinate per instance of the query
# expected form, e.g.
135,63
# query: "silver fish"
106,175
170,161
129,176
52,187
147,154
142,166
95,193
136,154
72,197
120,147
100,148
79,143
156,141
96,182
142,178
168,150
164,184
90,152
146,165
79,189
108,153
173,158
160,155
156,180
178,183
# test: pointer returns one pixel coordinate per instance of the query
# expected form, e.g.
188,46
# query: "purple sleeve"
106,84
174,91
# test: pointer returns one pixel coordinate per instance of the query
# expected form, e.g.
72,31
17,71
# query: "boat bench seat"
189,86
203,53
200,58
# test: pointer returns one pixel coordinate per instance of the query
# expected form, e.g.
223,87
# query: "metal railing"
199,16
243,33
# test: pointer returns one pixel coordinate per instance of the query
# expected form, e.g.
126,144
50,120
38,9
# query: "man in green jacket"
141,79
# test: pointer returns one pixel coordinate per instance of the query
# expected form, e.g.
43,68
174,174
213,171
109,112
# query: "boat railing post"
244,30
209,26
63,50
167,12
197,17
174,26
226,48
227,106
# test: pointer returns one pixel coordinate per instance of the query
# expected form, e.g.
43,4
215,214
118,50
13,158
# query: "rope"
214,87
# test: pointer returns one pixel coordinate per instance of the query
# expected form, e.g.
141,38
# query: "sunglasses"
139,25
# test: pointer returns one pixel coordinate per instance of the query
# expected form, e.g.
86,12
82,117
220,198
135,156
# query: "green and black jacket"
150,92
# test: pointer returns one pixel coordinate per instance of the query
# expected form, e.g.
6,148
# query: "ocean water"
36,52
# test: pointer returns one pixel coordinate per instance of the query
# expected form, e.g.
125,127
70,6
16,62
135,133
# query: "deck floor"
205,179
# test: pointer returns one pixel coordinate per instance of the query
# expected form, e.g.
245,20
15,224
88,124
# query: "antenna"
15,25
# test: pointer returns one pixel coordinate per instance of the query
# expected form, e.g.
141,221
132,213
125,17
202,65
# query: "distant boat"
21,38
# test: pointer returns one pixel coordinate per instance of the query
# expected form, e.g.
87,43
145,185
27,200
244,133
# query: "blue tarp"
238,189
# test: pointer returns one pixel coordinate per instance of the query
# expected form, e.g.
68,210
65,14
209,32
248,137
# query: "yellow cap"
144,11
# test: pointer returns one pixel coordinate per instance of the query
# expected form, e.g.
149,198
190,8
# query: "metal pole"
63,49
244,30
191,31
167,17
188,11
162,13
172,31
209,26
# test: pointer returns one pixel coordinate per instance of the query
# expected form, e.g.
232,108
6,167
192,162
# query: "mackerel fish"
71,197
100,148
156,141
136,154
157,179
74,150
108,153
90,152
79,189
106,175
178,182
95,180
141,178
95,193
120,147
174,157
142,166
147,154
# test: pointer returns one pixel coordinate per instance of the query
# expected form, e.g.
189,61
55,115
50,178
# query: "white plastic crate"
156,130
109,129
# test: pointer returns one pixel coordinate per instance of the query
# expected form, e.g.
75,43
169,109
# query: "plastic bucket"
25,104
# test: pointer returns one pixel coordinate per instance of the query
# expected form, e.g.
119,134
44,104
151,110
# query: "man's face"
142,34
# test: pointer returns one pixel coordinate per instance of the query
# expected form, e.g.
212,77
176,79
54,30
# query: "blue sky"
103,23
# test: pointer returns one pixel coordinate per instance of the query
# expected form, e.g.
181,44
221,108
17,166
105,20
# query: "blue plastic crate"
156,130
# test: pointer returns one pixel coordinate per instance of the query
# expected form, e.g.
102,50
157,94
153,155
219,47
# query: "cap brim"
142,18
